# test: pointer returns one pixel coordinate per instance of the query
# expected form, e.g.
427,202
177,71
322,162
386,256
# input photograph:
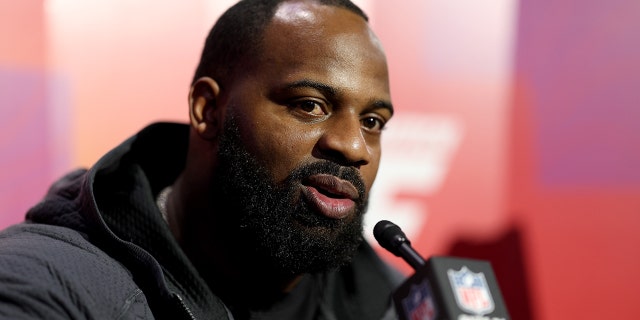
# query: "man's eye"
373,124
310,106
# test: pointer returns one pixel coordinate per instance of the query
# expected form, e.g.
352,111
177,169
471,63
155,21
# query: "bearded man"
252,211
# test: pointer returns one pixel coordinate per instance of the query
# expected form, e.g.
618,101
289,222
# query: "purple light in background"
581,70
27,155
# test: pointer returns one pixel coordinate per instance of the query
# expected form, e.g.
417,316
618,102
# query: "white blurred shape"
417,153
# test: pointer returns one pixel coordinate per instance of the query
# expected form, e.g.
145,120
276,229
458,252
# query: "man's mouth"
331,196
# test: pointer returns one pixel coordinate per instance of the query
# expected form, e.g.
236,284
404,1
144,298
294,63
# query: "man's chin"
323,246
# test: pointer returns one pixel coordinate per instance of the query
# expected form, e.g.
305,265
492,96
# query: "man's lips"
330,195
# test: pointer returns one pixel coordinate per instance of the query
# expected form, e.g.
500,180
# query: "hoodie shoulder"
53,272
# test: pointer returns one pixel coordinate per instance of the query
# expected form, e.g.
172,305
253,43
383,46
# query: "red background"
516,136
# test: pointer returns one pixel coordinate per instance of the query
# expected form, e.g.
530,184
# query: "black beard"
271,223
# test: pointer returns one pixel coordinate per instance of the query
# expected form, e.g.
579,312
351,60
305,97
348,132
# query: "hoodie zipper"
183,306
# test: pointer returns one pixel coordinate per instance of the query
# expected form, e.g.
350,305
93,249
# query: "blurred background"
516,137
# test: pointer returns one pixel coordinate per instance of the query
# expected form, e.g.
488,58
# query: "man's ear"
204,111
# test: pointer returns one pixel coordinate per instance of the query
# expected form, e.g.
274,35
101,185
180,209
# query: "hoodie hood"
113,206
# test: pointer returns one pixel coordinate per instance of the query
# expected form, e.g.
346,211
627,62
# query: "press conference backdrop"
515,138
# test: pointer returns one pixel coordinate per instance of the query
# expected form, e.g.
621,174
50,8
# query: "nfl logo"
418,305
471,291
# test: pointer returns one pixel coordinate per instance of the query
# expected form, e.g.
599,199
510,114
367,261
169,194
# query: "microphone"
390,237
442,288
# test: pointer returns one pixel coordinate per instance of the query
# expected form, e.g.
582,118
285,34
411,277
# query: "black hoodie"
97,247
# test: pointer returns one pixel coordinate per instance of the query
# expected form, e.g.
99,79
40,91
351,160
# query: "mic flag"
442,287
451,288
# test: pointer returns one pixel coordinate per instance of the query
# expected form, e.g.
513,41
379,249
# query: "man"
254,211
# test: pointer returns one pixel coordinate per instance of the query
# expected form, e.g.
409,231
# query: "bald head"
238,33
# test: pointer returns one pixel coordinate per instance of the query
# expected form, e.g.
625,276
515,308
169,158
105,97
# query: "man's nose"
343,142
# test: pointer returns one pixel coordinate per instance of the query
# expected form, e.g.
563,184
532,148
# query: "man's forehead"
297,12
309,13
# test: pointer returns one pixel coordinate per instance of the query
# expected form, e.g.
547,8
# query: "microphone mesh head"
389,236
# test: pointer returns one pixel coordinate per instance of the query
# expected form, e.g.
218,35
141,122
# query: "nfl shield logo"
419,305
471,291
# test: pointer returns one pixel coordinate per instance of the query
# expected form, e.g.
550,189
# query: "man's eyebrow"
333,92
306,83
381,104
